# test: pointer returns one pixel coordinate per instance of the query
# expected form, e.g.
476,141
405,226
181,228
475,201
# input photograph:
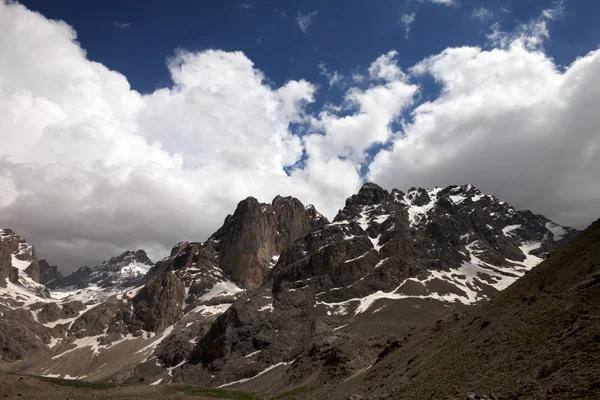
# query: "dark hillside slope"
538,339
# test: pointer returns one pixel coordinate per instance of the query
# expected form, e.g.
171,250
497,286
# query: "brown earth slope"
538,339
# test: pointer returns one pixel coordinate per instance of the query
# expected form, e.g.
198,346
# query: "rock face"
159,303
18,254
21,336
50,276
256,234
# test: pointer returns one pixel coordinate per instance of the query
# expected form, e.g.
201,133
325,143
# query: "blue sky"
138,124
345,35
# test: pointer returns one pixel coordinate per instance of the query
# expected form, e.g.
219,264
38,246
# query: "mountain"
537,339
279,297
392,258
123,271
18,264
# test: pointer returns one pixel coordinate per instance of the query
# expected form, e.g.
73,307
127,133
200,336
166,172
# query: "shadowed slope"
540,338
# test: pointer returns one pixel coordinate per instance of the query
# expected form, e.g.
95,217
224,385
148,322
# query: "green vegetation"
79,384
222,394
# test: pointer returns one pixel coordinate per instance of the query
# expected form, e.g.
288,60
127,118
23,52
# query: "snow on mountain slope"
463,244
453,244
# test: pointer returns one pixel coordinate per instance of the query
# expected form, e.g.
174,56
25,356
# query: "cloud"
122,24
482,14
510,121
558,11
364,118
358,77
304,20
407,20
247,6
532,33
333,77
385,67
444,2
122,170
90,167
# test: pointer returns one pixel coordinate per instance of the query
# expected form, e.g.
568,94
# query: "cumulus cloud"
90,167
304,20
365,116
509,121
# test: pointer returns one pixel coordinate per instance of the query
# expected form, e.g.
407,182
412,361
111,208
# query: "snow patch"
509,228
557,231
283,363
252,354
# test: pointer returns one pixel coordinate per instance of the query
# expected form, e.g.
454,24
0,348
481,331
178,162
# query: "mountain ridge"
278,283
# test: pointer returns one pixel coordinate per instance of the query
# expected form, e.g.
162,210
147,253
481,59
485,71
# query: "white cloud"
444,2
407,20
334,78
509,121
358,77
365,116
386,68
532,33
482,14
89,167
247,6
304,20
558,11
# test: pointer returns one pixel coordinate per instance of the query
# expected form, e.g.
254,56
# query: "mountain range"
281,300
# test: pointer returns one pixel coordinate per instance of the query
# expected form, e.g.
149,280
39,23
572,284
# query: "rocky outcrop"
159,303
21,336
95,321
50,276
17,253
50,312
252,239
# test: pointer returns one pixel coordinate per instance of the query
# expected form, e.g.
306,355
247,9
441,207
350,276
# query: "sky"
139,124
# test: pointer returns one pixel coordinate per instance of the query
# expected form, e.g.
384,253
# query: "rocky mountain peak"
252,239
50,276
19,264
369,194
125,270
23,258
128,269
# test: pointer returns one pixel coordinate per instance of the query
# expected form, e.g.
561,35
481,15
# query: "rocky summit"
278,298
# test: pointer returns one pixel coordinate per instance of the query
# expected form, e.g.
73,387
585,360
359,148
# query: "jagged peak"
6,232
129,256
370,186
284,199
